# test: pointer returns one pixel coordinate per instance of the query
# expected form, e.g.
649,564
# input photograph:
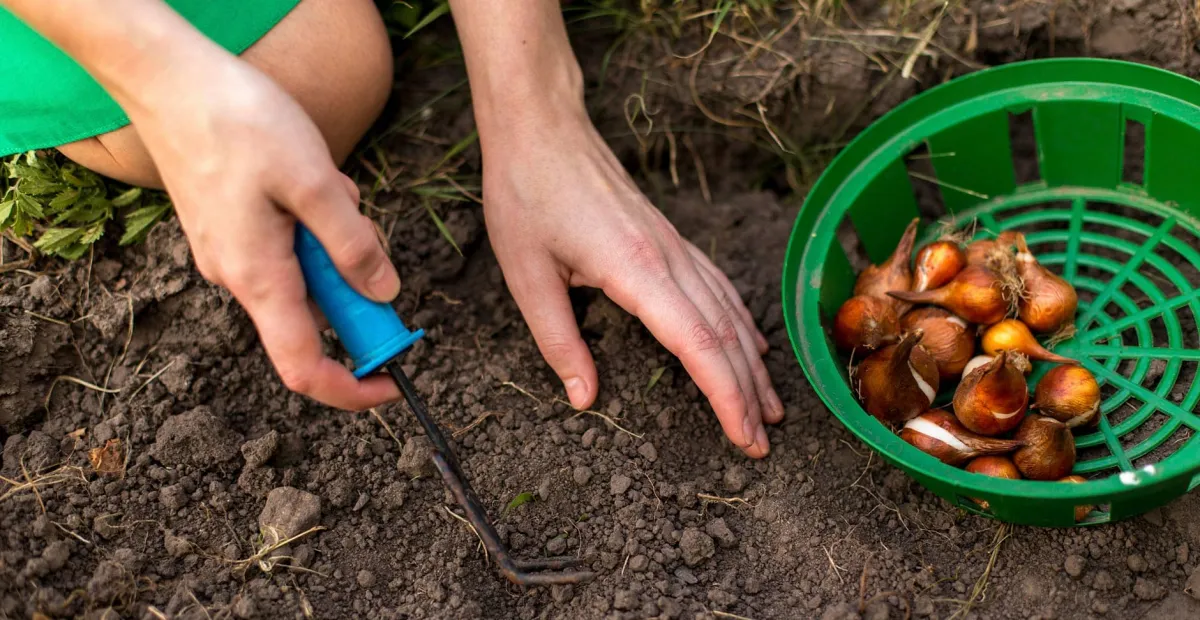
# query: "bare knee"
332,56
118,155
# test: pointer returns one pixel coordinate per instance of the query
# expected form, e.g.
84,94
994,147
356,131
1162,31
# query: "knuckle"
726,331
702,337
296,379
308,189
556,347
360,253
645,255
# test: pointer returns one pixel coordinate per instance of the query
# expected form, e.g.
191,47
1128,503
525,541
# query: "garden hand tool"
376,338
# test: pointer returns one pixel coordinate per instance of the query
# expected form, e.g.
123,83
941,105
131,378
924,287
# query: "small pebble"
648,452
556,546
639,563
589,437
365,578
1137,563
582,475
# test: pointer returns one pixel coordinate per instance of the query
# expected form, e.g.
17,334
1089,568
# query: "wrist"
519,101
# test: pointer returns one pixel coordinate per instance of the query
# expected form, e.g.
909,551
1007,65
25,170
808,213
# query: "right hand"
243,162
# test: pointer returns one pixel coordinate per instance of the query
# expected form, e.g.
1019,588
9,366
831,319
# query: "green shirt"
47,100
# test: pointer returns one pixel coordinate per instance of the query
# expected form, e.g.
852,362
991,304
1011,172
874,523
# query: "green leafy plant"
68,207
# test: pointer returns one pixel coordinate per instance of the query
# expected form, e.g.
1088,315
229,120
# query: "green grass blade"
441,226
437,12
655,377
517,502
458,147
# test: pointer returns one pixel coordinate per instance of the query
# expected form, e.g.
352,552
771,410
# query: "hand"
243,162
561,211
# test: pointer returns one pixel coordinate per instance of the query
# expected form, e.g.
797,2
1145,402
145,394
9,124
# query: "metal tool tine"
520,572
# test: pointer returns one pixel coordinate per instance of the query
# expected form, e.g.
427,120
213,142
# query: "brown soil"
822,528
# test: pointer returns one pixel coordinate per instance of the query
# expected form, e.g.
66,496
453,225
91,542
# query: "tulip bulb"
1069,394
937,263
1016,359
993,398
1048,452
975,294
1049,301
899,381
979,252
865,322
996,467
1014,336
947,339
893,274
1081,512
940,435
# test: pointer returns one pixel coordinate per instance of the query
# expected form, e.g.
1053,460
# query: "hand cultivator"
375,337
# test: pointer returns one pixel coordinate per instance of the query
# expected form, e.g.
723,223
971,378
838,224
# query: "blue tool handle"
370,331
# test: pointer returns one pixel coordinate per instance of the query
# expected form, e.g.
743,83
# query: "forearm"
126,45
519,61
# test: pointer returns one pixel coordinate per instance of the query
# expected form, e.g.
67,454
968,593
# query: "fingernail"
760,439
384,284
576,391
748,433
776,404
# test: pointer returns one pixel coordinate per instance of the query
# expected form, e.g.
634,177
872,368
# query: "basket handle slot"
973,161
1079,143
1134,153
883,209
1023,146
1170,162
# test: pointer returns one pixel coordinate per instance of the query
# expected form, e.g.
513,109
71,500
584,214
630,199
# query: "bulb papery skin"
978,252
1014,336
940,435
866,323
1069,394
948,339
996,467
898,382
894,274
975,294
936,264
1048,450
976,362
1048,301
992,400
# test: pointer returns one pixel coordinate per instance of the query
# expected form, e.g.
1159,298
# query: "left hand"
561,211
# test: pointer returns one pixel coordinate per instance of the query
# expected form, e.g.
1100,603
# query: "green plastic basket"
1109,199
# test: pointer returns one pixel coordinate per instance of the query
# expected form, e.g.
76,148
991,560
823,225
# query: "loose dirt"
235,498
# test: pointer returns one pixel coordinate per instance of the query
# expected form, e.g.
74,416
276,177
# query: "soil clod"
258,451
414,458
696,546
288,513
198,438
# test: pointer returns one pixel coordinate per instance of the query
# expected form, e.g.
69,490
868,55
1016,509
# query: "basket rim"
845,165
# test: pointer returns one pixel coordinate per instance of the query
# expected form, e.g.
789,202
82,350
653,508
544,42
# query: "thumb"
541,294
328,208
